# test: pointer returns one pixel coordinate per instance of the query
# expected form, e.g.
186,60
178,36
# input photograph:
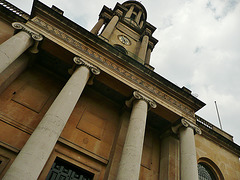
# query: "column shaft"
130,163
11,49
143,49
130,11
138,17
97,26
13,71
35,153
188,154
110,27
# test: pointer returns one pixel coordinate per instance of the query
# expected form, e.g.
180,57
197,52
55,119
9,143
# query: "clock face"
124,40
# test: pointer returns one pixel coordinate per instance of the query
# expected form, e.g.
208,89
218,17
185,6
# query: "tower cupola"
136,14
126,28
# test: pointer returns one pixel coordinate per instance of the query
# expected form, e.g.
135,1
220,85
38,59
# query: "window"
63,170
120,48
205,173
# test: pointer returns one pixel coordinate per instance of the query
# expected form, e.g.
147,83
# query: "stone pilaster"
169,161
130,163
35,153
188,159
11,49
149,51
143,48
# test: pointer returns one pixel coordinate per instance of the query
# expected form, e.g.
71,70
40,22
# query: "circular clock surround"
123,39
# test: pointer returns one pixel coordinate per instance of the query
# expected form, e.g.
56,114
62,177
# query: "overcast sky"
199,48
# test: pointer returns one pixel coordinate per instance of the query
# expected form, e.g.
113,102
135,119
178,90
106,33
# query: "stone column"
138,17
35,153
13,71
143,48
130,163
188,158
11,49
97,26
110,27
130,11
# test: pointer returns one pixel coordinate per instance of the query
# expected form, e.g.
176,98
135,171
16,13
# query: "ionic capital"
139,96
187,124
36,36
79,61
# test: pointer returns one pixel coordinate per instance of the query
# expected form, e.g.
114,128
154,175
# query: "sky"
199,48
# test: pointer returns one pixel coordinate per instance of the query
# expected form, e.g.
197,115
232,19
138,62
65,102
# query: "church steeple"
126,28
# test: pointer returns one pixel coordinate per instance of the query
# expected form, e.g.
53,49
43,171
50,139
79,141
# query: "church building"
86,105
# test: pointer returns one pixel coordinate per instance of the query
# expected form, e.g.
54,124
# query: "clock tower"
126,28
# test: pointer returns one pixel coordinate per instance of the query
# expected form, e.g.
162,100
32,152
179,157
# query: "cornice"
219,139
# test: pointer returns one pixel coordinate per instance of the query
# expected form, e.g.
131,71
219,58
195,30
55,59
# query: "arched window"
205,173
208,170
120,48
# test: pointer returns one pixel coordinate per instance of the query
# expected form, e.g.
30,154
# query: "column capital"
148,32
185,123
36,36
119,13
150,45
105,16
81,62
139,96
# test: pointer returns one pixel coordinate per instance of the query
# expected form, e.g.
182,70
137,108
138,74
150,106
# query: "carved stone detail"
114,66
150,45
148,32
79,61
105,16
36,36
186,123
119,13
139,96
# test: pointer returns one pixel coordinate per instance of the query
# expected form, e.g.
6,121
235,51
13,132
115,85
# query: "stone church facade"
87,105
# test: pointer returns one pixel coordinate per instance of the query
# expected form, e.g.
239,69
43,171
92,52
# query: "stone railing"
14,9
212,127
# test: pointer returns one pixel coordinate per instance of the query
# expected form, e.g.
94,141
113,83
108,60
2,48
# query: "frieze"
117,68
